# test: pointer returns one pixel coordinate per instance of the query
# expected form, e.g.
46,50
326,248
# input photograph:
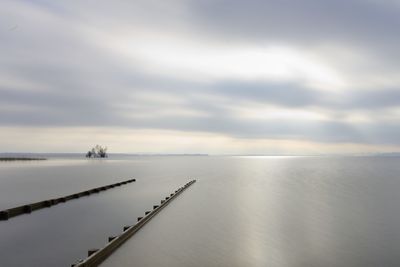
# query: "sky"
200,76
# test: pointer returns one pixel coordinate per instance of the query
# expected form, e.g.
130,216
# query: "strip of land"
19,159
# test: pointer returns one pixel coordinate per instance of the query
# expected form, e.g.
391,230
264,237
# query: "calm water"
243,211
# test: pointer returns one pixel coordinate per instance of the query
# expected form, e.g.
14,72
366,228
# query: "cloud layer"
317,73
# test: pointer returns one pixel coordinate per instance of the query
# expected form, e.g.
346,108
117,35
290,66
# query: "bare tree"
97,152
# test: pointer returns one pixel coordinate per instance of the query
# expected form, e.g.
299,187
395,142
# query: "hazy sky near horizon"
200,76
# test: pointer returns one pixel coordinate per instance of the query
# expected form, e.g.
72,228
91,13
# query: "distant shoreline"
19,158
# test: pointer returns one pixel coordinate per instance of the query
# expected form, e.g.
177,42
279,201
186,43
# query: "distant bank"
19,158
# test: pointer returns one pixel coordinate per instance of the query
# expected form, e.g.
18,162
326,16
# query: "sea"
283,211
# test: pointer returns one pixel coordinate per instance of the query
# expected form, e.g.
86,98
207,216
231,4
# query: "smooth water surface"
243,211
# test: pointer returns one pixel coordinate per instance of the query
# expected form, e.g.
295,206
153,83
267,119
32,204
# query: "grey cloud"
85,85
283,94
80,104
367,28
296,96
303,20
373,99
329,132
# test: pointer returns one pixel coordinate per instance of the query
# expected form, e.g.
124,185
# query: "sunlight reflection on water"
243,211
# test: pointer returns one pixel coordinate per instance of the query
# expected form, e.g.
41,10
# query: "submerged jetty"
97,256
28,208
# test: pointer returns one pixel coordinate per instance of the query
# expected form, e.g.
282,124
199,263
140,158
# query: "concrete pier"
28,208
99,256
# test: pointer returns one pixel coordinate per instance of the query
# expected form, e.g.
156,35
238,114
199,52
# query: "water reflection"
295,212
291,211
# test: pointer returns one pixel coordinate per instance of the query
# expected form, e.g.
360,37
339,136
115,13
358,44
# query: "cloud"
305,21
305,71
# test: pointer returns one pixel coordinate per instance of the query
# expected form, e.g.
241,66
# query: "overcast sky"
200,76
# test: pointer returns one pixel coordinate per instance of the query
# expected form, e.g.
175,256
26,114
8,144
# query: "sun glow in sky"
200,76
184,58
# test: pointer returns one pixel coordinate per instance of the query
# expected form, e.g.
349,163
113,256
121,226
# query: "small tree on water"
97,152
